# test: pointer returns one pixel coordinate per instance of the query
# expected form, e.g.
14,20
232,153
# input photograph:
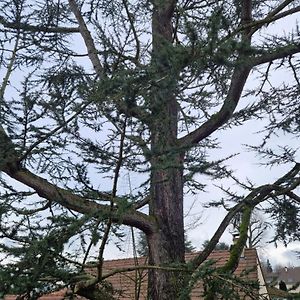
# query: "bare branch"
9,70
131,20
114,192
89,42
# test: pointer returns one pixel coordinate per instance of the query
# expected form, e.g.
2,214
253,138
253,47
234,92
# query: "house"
283,283
290,276
58,295
132,285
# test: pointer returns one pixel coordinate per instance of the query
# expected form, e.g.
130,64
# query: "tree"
219,246
282,286
93,90
143,250
257,229
269,267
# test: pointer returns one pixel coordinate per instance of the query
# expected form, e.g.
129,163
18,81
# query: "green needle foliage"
116,113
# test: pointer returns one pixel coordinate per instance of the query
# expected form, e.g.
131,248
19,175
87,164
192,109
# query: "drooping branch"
37,28
10,165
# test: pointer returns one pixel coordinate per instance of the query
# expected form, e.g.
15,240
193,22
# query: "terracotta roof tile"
133,284
126,283
58,295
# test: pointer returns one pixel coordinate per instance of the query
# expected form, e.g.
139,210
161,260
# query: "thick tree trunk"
166,245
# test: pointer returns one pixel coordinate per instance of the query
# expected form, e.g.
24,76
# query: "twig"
114,192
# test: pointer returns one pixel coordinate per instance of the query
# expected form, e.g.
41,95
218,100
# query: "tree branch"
114,193
87,37
278,53
55,130
131,21
9,164
237,248
274,15
254,198
75,202
238,81
37,28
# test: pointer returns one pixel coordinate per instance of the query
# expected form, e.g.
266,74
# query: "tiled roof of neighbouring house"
126,282
290,275
133,284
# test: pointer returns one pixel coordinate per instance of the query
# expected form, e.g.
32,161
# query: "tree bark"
166,245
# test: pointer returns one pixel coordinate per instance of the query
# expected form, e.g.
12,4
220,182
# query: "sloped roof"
289,275
58,295
133,284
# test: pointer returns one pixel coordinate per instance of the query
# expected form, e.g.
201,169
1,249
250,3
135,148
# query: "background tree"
143,249
282,286
257,229
267,267
219,246
93,90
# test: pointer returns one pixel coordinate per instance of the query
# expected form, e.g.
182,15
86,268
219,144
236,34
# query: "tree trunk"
166,245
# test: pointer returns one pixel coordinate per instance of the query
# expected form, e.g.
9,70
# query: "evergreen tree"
143,249
269,267
219,246
94,90
282,286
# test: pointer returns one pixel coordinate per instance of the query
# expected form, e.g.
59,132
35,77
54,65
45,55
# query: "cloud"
281,255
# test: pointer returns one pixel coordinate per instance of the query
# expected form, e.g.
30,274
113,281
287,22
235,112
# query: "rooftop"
133,284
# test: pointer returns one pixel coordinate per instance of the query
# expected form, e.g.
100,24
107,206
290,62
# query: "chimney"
235,236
